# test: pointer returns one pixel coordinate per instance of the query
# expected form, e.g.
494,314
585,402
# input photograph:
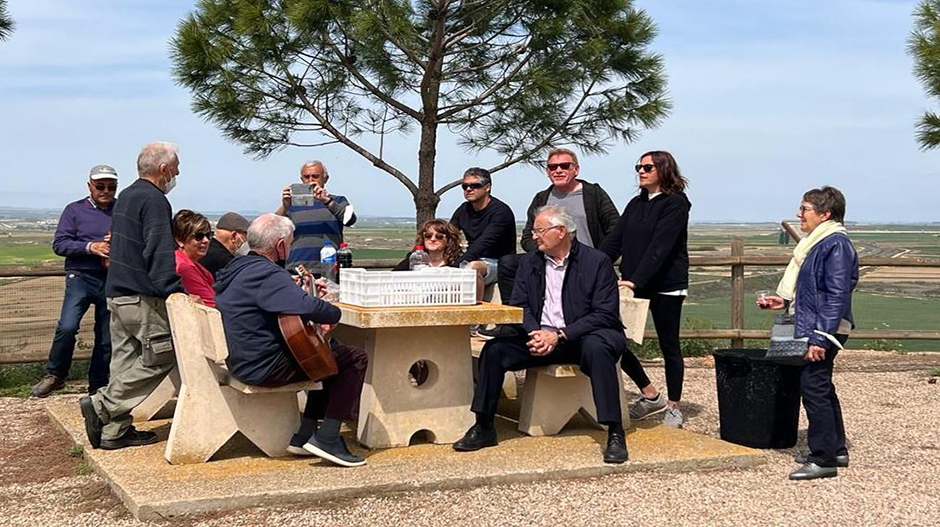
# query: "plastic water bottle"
328,261
418,259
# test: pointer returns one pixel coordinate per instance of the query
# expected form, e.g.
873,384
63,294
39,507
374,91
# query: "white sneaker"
673,417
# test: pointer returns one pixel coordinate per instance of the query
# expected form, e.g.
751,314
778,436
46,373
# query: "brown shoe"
47,385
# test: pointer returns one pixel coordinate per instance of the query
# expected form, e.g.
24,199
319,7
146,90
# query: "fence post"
737,291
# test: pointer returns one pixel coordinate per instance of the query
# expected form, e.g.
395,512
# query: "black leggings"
667,317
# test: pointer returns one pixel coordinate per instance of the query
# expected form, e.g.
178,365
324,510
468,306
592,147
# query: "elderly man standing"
251,292
487,223
568,293
231,234
142,275
323,219
82,238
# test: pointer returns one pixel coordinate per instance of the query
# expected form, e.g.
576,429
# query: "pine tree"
514,77
6,23
924,46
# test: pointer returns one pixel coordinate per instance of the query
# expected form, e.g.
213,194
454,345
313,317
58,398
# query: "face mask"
170,185
242,249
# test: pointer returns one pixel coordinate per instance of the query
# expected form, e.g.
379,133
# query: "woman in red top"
192,233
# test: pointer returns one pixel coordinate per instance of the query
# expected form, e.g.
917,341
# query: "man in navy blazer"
568,293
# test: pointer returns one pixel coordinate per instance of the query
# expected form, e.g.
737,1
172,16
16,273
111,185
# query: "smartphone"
301,195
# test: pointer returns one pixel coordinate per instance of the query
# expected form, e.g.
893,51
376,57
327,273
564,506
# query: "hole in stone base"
422,373
421,437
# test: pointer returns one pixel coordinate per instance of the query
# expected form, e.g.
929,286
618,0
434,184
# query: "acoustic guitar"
307,343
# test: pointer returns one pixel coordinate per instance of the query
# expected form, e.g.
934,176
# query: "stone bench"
212,406
553,394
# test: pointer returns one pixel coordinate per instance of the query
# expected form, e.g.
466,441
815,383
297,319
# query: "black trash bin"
758,398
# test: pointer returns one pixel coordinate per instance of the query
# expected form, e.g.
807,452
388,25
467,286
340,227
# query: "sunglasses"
434,236
645,168
102,187
564,166
199,236
474,186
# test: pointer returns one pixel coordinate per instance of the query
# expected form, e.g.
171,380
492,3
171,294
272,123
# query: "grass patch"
934,372
76,451
83,468
17,379
27,254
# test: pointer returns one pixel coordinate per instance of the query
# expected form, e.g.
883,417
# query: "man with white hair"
322,219
142,274
568,293
251,291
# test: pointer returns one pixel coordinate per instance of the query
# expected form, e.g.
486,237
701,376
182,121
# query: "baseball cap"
231,221
102,172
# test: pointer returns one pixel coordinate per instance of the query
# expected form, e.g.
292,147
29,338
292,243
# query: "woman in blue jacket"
652,239
817,288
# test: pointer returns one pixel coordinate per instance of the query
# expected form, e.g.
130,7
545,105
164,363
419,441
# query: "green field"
23,254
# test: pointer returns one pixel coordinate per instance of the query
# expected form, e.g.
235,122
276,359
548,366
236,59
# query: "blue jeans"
81,291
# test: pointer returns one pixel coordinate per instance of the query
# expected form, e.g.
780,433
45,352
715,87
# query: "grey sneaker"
673,418
644,407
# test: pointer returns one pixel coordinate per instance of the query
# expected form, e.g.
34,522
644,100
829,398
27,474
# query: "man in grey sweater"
141,276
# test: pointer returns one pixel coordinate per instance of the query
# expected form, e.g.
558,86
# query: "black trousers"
667,318
339,398
826,431
506,275
596,358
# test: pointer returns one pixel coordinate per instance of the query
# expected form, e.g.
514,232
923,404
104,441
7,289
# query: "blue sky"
772,97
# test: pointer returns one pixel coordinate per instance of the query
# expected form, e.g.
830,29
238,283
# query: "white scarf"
787,286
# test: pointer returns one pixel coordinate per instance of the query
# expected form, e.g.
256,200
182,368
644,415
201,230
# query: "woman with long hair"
652,239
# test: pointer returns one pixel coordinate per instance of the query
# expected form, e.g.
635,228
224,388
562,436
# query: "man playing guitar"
252,293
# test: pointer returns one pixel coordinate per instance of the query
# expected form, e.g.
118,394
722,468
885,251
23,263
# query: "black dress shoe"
133,437
813,471
841,461
616,451
92,421
476,438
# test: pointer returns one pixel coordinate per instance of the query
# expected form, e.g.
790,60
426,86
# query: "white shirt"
552,314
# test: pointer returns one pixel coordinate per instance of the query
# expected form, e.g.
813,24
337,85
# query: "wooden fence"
737,261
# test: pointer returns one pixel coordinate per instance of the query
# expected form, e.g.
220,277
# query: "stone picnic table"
392,409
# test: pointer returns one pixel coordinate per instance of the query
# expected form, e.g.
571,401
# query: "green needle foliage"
514,77
924,46
6,23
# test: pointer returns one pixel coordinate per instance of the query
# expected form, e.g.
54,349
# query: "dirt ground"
892,420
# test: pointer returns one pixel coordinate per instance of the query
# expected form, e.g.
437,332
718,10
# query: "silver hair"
558,215
153,155
315,163
266,230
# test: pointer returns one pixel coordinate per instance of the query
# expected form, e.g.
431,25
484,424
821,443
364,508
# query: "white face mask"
170,185
242,249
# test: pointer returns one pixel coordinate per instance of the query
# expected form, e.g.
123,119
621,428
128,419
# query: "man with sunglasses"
589,205
487,223
231,238
82,237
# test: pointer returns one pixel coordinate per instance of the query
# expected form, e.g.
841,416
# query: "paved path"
892,415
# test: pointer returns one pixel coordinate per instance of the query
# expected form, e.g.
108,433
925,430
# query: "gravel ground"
892,419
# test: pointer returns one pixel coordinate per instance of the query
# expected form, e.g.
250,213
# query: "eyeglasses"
434,236
474,186
199,236
540,232
100,187
564,166
804,208
645,168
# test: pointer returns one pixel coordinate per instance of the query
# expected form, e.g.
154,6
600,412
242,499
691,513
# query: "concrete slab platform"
240,476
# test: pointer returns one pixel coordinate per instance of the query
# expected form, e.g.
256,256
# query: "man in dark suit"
568,293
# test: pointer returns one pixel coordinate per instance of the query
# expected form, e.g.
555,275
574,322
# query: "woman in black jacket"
652,240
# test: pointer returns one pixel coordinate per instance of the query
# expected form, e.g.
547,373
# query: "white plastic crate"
435,286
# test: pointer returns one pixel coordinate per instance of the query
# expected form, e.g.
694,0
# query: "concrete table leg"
391,409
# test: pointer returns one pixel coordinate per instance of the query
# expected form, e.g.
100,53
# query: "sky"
771,98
